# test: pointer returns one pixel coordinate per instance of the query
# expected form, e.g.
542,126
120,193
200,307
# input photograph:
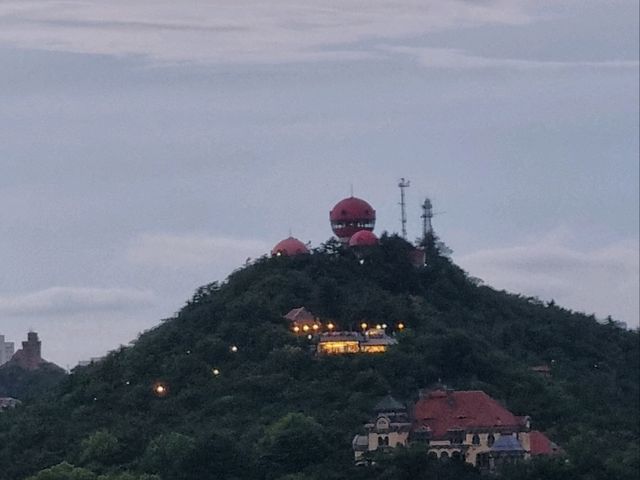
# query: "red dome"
363,238
289,247
350,216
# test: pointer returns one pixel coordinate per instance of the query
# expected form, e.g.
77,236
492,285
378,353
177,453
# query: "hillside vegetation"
276,411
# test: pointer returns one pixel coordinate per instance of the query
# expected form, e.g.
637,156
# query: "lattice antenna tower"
403,184
427,215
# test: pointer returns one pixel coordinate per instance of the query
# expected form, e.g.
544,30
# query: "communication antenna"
403,205
427,215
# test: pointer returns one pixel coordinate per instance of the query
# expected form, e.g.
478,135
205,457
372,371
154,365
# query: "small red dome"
350,216
289,247
363,238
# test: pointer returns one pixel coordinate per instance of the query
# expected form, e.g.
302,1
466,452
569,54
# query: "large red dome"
350,216
363,238
289,247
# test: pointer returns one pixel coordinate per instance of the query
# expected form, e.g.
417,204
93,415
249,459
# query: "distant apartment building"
6,350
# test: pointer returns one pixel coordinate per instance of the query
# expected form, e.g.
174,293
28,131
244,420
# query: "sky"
150,147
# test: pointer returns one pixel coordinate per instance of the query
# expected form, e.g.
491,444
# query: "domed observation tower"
363,239
351,215
289,247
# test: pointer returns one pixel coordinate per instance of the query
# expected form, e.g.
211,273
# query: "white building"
6,350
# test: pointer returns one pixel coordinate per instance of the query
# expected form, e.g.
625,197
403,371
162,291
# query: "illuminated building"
467,425
6,350
340,343
303,321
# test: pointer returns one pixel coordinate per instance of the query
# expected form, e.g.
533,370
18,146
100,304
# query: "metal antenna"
403,205
427,215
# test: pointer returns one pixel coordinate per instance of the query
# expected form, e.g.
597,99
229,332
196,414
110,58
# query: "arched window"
444,456
380,441
386,441
476,439
491,440
456,455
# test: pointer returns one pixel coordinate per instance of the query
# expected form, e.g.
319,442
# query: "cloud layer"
232,32
602,280
74,300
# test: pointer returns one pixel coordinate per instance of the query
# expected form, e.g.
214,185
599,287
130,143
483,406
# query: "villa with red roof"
464,425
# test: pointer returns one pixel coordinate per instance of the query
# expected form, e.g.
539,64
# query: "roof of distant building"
541,445
299,315
389,404
443,410
363,238
289,247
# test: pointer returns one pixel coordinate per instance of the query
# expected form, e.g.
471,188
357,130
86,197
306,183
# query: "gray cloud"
602,280
186,251
230,32
74,300
457,59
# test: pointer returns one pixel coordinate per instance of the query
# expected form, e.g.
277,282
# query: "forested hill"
276,411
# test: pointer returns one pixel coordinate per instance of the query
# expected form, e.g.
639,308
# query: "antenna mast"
427,215
403,205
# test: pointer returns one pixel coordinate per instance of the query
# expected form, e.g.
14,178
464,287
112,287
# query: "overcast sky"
149,147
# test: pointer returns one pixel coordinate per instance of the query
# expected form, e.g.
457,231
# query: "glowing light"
400,326
234,349
316,326
362,261
160,389
215,371
384,325
296,329
378,326
330,326
363,326
305,328
309,336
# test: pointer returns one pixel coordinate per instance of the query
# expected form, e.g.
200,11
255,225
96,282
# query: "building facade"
464,425
6,350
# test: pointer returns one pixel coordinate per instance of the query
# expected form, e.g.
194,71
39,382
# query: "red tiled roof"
443,410
541,445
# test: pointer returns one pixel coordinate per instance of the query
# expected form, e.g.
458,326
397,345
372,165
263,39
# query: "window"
491,440
444,456
456,436
476,439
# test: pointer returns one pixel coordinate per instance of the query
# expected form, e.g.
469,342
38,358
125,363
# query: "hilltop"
274,410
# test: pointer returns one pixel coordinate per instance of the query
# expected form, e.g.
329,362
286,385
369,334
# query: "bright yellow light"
400,326
160,390
330,326
296,329
363,326
316,326
378,326
305,328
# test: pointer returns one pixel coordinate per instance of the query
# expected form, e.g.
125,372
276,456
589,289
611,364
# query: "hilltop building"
289,247
6,350
303,321
467,425
389,428
351,215
8,402
29,357
339,343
